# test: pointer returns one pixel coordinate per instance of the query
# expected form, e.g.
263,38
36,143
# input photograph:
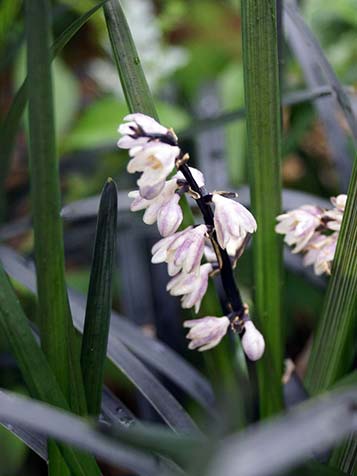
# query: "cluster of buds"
196,253
314,231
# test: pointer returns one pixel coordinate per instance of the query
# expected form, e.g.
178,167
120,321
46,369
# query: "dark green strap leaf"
34,367
262,101
10,124
99,300
135,86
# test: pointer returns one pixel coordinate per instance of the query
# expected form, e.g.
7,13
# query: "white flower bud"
339,202
170,216
156,161
164,208
232,222
252,342
191,286
206,332
182,250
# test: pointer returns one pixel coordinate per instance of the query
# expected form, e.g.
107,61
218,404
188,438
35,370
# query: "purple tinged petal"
170,216
206,332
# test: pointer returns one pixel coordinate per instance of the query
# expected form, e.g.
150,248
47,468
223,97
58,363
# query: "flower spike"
154,152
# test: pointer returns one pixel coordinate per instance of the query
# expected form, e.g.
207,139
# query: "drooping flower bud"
206,332
181,251
164,208
232,222
170,216
156,161
339,202
191,286
252,342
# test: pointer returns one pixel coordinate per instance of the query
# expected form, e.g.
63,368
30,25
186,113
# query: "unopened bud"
252,342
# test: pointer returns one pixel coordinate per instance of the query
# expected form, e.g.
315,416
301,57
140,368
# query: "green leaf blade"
99,300
11,123
261,80
333,348
135,86
34,367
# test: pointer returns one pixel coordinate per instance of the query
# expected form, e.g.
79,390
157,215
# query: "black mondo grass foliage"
235,407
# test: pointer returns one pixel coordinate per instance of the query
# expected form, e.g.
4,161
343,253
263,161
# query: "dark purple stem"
234,300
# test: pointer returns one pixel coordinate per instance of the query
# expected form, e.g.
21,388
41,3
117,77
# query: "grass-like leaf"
133,81
56,329
11,122
32,440
113,411
312,62
288,440
34,367
289,99
261,80
99,300
333,348
313,46
162,400
150,350
57,332
69,429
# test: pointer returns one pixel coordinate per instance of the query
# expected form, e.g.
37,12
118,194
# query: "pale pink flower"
320,253
191,286
135,129
156,161
232,222
164,208
252,342
336,214
206,332
181,251
299,225
339,202
170,216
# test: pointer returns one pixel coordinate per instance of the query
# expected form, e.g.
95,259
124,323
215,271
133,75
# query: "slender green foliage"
57,332
71,429
334,344
135,86
10,124
333,348
34,367
261,80
99,300
55,322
